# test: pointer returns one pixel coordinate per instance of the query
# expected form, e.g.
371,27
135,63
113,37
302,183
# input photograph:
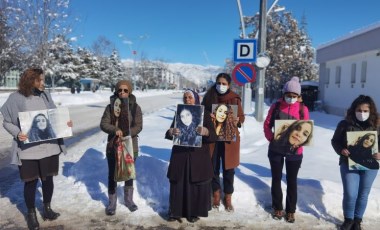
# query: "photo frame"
361,145
223,119
187,119
42,125
289,135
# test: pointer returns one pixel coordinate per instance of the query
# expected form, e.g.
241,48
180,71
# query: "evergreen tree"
289,48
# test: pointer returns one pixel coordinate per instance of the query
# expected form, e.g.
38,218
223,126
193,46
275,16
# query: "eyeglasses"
121,90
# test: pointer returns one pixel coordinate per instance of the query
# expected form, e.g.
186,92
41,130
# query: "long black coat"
201,165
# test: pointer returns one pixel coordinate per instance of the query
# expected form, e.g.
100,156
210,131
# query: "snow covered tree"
289,48
112,69
36,23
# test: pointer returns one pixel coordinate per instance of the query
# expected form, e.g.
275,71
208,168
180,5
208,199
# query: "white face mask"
222,89
290,100
362,116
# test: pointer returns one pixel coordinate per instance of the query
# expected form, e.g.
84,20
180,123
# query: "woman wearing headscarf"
190,170
122,117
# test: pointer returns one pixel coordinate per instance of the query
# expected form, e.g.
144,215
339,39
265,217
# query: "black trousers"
112,184
228,175
292,168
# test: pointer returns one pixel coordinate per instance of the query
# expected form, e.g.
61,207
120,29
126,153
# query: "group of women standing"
194,172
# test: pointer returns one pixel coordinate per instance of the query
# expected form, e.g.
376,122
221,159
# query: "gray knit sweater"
16,103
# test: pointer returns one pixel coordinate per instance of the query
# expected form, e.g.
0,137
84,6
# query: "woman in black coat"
190,171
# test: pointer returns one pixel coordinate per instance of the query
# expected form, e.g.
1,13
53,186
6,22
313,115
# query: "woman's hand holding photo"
203,131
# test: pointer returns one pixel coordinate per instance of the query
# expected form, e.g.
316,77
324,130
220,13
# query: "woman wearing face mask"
361,116
225,152
289,107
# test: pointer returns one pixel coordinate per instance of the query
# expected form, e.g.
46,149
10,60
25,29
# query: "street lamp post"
247,91
259,96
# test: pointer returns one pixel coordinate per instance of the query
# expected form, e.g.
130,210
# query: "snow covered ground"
81,187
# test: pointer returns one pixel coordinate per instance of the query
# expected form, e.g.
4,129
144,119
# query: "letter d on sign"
244,50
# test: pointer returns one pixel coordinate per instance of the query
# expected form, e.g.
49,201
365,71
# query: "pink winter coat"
286,112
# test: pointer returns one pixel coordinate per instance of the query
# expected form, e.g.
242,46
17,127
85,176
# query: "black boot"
49,214
128,198
357,224
32,220
347,224
111,208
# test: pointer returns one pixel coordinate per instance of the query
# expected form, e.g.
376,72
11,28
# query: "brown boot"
228,203
216,199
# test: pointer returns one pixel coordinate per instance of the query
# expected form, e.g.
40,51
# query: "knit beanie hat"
124,82
292,86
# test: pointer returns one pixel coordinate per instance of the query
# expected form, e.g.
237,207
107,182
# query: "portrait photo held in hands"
289,135
223,117
362,145
47,124
187,119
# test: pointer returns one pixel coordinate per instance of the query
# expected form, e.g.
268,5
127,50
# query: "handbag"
124,161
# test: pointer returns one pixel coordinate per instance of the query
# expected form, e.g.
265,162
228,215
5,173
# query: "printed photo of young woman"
289,135
41,125
224,117
187,119
362,145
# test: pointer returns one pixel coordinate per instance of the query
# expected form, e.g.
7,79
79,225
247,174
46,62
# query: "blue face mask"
290,100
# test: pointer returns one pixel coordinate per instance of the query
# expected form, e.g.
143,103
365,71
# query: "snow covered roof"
351,34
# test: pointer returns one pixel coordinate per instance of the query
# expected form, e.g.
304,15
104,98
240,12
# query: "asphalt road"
86,120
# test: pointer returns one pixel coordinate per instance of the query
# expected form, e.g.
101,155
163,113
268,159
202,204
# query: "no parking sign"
244,73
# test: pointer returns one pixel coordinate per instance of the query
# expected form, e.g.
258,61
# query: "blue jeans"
356,187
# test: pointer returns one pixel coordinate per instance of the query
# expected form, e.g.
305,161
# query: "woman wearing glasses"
289,107
122,117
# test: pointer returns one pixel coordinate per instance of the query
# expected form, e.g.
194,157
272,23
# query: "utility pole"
246,89
259,95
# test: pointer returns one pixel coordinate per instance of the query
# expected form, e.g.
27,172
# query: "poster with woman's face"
223,116
41,125
187,119
361,145
289,135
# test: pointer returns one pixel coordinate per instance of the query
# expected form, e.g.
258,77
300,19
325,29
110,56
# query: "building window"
337,74
327,76
353,73
363,77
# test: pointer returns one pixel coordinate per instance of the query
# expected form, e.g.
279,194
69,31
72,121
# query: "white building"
350,66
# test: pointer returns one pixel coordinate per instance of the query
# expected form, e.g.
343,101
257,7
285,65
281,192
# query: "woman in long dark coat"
190,171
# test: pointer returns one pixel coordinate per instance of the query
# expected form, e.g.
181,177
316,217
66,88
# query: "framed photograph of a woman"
43,125
223,116
361,145
187,119
289,135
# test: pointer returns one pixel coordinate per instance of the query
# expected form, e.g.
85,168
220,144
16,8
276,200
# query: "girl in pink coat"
287,146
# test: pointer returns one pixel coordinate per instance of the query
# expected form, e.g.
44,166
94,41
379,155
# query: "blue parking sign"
245,50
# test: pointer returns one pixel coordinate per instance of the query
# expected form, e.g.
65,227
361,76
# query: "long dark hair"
188,133
211,96
361,140
363,99
283,137
35,134
227,132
